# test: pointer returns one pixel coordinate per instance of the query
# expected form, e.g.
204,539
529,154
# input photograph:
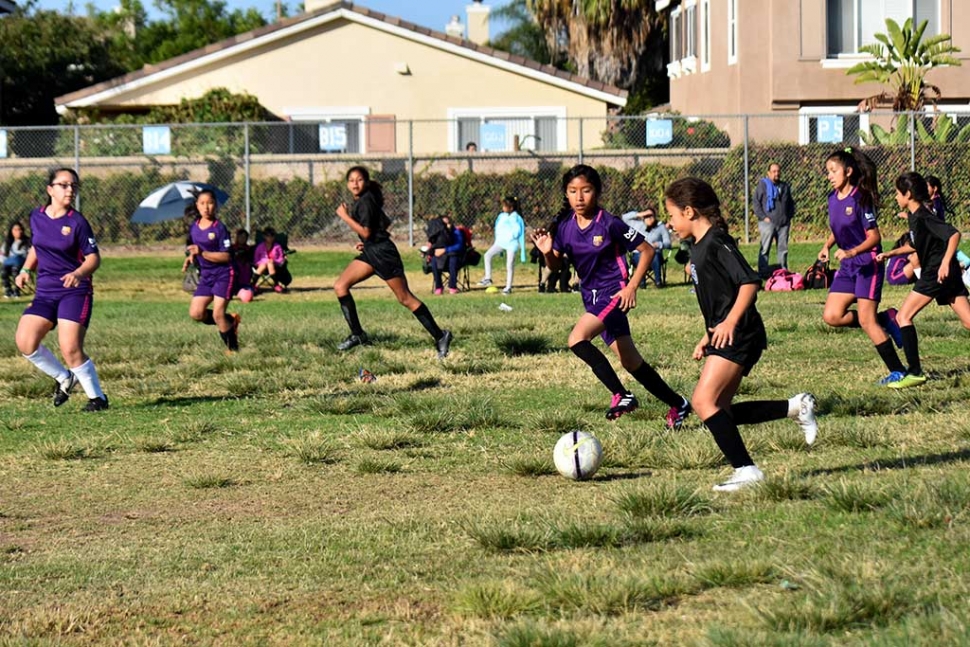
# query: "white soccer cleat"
801,409
741,478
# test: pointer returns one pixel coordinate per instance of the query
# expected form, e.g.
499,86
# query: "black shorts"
384,258
945,292
745,352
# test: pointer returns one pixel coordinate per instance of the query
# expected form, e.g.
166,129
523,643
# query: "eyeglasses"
67,185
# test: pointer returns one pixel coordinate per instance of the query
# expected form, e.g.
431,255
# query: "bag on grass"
783,280
819,276
190,280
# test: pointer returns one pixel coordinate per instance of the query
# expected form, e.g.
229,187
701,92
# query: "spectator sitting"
13,253
268,257
656,233
242,261
447,246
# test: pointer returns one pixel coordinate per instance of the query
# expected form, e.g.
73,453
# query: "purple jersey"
850,221
598,252
213,239
60,245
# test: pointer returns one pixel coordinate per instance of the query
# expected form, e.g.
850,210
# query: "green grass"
272,498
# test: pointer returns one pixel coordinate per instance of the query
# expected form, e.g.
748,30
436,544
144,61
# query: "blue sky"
428,13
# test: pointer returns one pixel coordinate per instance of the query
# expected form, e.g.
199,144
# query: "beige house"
352,75
789,58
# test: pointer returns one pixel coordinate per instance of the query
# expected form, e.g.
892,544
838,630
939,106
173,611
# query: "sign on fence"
829,129
333,138
494,137
156,140
3,144
659,132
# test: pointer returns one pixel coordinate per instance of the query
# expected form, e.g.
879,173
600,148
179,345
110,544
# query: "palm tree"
901,61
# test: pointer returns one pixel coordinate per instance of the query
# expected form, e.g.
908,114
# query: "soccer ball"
578,455
245,295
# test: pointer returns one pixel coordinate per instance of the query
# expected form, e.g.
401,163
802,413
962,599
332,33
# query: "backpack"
783,280
894,271
818,276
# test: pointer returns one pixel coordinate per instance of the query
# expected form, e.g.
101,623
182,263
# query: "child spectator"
242,261
268,258
13,253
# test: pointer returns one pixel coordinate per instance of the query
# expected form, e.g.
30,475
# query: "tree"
901,61
524,37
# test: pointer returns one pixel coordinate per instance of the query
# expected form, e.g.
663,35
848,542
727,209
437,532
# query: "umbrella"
169,202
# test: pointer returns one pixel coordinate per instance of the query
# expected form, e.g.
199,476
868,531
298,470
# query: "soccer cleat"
353,340
741,478
61,393
895,376
485,282
507,291
444,343
805,416
97,404
622,403
887,320
677,415
908,380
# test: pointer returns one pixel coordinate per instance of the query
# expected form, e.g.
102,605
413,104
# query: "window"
854,23
705,35
676,35
732,35
831,125
327,130
690,30
502,129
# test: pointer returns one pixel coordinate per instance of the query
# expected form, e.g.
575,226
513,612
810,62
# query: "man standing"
774,207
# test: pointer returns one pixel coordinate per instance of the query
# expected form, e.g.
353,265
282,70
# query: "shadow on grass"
625,476
896,463
183,401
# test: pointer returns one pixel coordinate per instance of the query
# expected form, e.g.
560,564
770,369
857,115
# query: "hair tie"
848,149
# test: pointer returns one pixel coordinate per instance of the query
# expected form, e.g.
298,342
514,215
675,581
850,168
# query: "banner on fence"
494,137
829,129
333,138
3,144
659,132
156,140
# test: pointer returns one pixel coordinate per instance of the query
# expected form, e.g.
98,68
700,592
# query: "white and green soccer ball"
578,455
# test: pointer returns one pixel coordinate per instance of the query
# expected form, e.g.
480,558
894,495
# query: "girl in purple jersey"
852,219
65,255
734,336
209,243
597,243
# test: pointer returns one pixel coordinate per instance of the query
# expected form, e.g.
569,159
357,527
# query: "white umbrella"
169,202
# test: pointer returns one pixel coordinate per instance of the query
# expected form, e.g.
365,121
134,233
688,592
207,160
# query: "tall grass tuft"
529,466
473,367
933,505
347,405
529,634
786,487
312,449
377,466
151,445
194,431
554,421
387,440
516,344
208,481
734,573
851,496
494,537
495,601
608,595
66,450
664,500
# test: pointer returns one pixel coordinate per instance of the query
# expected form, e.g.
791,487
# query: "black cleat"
353,340
61,394
444,343
97,404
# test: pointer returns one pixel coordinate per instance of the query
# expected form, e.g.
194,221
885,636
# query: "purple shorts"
215,284
74,306
607,310
861,279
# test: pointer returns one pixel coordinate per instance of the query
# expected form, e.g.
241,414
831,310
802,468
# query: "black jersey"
367,213
718,271
929,236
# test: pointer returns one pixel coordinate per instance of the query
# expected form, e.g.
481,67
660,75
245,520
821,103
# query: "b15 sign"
333,138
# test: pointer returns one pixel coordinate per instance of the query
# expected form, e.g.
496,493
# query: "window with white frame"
732,35
690,29
850,24
705,35
505,129
831,125
327,130
676,35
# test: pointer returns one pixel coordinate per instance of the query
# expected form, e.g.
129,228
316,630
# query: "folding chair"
650,276
283,275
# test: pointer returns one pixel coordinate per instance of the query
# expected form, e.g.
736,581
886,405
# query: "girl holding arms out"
211,245
726,289
852,219
65,255
597,242
378,255
935,243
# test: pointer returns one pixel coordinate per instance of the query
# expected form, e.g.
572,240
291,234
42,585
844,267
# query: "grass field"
270,498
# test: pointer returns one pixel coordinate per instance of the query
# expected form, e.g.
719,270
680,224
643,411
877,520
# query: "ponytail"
862,176
370,186
700,196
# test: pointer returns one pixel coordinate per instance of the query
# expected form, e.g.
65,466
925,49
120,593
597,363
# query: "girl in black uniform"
378,255
935,243
726,289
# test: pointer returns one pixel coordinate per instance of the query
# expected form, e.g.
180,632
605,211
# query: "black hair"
914,184
52,175
370,186
933,181
698,195
861,173
8,241
588,172
242,231
269,231
512,202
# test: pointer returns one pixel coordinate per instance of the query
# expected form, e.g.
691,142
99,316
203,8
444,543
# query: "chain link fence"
291,175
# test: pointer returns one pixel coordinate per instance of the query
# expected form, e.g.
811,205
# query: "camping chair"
263,281
649,277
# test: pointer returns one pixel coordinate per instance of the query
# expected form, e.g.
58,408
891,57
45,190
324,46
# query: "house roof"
7,6
103,92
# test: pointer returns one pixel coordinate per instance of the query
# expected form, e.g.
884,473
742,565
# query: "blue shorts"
215,284
72,306
863,280
599,304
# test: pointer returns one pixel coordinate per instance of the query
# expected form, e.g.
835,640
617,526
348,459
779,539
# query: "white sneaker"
485,282
801,409
507,291
742,477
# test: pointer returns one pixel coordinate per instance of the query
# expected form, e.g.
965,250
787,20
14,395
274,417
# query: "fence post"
747,186
246,167
912,141
77,163
580,140
411,182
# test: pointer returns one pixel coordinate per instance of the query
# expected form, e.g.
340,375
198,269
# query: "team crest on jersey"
212,235
597,241
65,231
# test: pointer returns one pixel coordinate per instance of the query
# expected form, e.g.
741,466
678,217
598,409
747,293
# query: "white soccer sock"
795,405
88,377
44,359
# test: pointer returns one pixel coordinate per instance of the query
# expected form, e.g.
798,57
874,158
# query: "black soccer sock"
655,384
911,348
755,411
349,308
601,366
229,339
887,351
728,438
423,315
208,319
855,319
